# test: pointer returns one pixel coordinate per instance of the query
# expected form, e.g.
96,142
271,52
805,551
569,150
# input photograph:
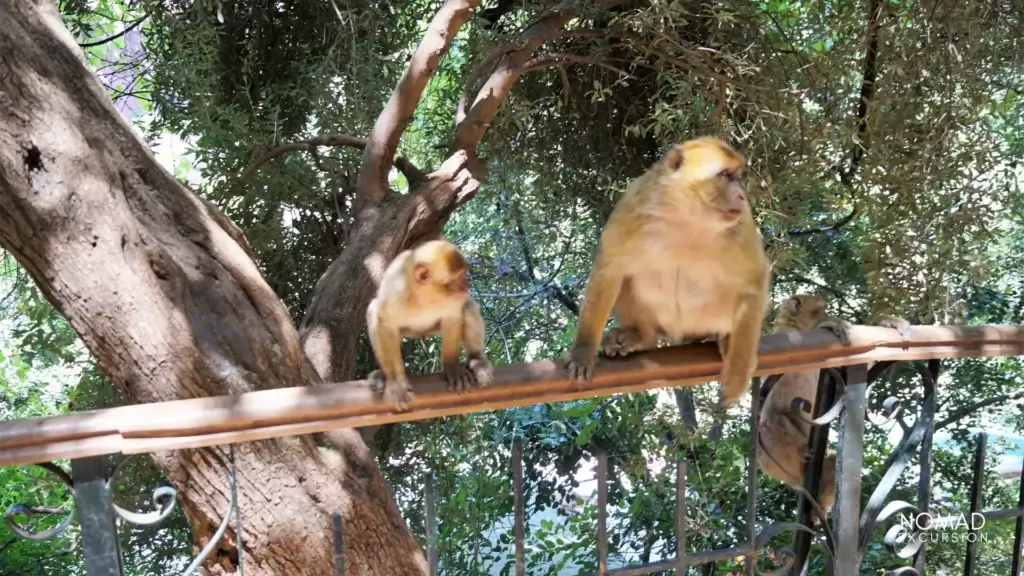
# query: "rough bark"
172,306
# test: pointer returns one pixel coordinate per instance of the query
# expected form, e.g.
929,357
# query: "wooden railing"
267,414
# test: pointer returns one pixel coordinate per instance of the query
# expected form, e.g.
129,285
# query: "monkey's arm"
599,296
473,338
894,322
457,375
741,354
837,326
386,342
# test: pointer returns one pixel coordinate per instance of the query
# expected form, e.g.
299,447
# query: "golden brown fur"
783,434
680,257
425,291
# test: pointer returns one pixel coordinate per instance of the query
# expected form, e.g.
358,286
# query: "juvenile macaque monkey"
679,258
783,435
425,291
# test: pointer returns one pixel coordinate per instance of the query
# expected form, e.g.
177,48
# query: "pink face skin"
733,196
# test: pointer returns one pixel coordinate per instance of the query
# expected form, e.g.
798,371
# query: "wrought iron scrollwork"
164,499
25,512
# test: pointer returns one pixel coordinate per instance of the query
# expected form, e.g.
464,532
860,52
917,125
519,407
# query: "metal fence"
842,398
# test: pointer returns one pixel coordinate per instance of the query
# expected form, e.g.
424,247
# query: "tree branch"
867,92
511,65
557,59
487,64
793,232
553,290
391,123
411,172
126,30
956,415
867,85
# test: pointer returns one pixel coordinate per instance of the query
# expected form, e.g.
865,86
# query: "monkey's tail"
796,483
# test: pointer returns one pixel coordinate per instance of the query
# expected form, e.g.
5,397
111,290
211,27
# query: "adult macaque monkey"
425,291
783,434
679,258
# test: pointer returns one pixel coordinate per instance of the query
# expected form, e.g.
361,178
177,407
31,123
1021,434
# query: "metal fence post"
519,506
849,461
96,517
970,559
431,524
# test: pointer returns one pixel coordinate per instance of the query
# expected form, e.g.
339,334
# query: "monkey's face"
805,310
437,284
713,173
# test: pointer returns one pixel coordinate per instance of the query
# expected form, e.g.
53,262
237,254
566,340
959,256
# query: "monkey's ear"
793,304
674,158
421,273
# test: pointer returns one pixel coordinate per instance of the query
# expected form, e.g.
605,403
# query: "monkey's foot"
622,342
898,324
398,393
841,328
376,380
458,377
482,371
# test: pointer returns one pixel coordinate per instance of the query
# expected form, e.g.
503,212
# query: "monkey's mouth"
732,213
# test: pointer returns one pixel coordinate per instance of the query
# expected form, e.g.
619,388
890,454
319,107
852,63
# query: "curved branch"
391,123
867,85
830,228
956,415
509,67
558,59
487,64
411,172
867,92
126,30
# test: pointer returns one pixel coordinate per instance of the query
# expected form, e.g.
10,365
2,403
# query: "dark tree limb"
113,37
413,174
795,232
397,114
530,276
956,415
861,141
560,59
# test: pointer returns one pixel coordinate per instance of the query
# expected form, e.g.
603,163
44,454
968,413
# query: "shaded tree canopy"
884,139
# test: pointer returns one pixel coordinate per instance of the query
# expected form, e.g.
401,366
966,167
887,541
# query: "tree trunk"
161,289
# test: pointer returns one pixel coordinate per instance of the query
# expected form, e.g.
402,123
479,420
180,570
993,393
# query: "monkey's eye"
727,175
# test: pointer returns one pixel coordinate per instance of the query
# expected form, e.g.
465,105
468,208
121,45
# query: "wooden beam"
281,412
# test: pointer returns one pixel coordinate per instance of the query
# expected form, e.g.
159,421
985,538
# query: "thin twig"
411,172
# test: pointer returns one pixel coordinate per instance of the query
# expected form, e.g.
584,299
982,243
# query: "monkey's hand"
898,324
482,371
839,327
458,376
622,341
581,365
397,392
